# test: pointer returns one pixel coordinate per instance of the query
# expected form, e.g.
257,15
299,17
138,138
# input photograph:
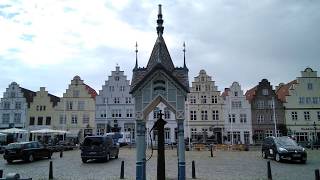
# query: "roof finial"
160,22
136,55
184,55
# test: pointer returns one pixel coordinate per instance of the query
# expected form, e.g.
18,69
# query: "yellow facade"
76,110
41,113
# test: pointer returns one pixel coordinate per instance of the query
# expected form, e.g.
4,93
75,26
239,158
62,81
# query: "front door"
218,135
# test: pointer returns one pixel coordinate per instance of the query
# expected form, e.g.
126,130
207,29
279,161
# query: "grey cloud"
242,41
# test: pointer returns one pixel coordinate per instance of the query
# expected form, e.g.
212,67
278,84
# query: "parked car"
99,147
280,148
123,138
27,151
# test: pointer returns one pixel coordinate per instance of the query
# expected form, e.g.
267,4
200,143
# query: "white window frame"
243,118
81,105
306,115
294,115
204,115
215,115
74,119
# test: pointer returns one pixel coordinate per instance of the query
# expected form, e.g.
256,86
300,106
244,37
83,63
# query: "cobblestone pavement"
224,165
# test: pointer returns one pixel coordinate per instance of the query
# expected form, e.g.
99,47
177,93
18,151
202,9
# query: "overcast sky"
48,42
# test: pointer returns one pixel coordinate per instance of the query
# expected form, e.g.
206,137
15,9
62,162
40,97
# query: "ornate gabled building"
115,106
159,82
204,108
267,112
301,99
14,106
76,110
41,113
237,116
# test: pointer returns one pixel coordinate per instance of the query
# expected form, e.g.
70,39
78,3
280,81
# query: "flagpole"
274,117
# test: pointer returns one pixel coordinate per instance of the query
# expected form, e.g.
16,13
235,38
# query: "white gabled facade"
301,99
114,105
237,116
14,106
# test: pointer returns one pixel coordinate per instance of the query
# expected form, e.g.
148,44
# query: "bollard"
50,171
317,174
12,176
211,153
1,173
122,170
269,171
61,153
193,170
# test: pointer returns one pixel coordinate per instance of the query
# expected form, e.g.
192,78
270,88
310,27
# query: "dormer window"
310,86
76,93
117,78
265,92
236,93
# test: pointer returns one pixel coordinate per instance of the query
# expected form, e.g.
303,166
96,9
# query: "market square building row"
228,117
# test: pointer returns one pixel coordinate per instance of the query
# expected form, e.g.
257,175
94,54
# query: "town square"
223,165
83,108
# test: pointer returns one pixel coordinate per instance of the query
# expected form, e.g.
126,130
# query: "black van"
98,147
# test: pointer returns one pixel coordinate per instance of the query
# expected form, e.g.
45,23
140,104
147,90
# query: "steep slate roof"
160,59
28,94
283,91
160,54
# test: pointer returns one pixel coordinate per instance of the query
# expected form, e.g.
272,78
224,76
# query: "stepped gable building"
301,99
115,106
14,105
266,109
41,112
76,110
204,109
237,115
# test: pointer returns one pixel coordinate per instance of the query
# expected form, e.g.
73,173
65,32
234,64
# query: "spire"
136,66
160,22
184,55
